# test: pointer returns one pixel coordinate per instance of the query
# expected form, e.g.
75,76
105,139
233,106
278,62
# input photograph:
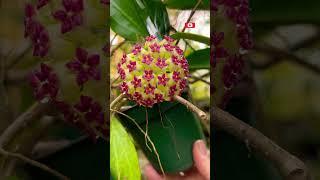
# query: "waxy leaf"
136,19
124,162
199,59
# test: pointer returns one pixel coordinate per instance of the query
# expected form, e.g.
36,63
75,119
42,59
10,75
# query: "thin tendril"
161,117
173,137
146,134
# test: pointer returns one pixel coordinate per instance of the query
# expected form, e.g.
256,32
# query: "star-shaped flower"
44,83
85,66
92,110
71,15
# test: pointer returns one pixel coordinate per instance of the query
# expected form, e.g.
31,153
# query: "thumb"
201,158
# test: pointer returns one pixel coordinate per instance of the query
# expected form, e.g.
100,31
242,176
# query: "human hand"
201,171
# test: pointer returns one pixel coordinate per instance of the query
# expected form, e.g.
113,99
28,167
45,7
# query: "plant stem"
116,100
190,16
202,115
117,47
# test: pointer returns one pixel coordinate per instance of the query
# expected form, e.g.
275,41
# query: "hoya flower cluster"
231,39
153,72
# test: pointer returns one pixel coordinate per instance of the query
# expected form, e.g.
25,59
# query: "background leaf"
132,20
157,11
190,36
199,59
125,19
123,156
189,4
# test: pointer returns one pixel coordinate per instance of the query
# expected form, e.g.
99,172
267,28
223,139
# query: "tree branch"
34,112
281,54
290,167
25,140
202,115
195,79
34,163
15,77
15,60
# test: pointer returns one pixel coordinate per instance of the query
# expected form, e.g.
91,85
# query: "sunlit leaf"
135,19
191,36
199,59
123,156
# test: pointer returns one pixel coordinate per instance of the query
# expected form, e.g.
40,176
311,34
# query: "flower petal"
42,3
81,55
66,26
29,10
75,65
94,73
60,15
67,4
94,60
76,20
82,78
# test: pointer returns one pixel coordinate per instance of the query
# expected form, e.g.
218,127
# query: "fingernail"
201,147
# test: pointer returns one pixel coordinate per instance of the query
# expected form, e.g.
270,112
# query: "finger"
151,173
201,158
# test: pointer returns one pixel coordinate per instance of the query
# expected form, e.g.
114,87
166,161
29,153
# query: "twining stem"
116,101
117,47
114,37
33,163
202,115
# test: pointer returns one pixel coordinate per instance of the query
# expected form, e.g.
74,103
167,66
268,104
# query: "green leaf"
125,19
199,59
123,156
182,4
132,20
158,14
171,127
190,36
284,11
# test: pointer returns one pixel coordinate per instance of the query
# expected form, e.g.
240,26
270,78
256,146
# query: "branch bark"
202,115
33,163
279,55
34,112
290,167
